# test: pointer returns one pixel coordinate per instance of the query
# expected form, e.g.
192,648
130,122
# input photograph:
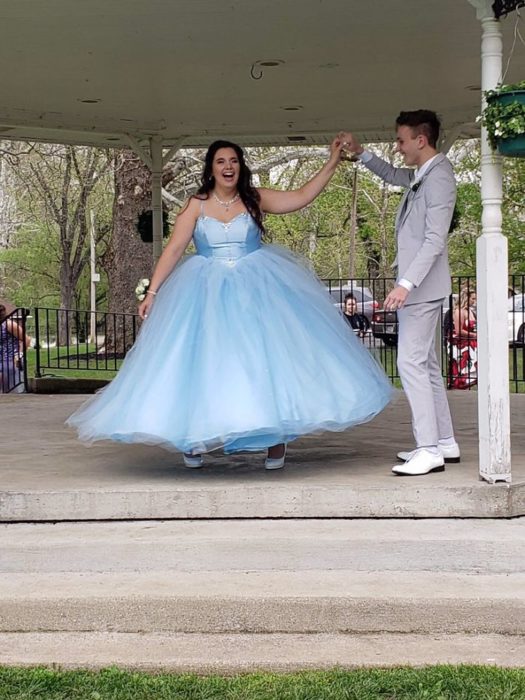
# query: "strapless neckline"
224,223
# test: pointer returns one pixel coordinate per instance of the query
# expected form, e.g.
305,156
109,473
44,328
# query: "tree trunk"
7,205
127,259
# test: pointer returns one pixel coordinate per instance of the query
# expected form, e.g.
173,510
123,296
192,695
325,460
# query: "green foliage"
321,231
504,118
502,89
462,242
54,216
430,683
54,356
31,266
514,211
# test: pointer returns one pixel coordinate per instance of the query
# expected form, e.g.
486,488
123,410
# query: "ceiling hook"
252,71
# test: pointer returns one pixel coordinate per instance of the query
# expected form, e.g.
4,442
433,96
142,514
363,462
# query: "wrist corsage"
142,289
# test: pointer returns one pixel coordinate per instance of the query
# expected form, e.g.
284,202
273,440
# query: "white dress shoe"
278,463
192,461
421,462
450,453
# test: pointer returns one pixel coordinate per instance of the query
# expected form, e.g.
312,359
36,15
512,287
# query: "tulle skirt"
239,356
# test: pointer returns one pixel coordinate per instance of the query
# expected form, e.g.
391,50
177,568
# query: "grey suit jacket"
422,226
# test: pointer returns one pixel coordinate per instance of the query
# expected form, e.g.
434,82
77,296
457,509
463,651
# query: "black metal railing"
516,326
70,339
97,342
13,347
458,330
366,297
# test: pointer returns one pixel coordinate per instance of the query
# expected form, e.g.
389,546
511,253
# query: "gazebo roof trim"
95,73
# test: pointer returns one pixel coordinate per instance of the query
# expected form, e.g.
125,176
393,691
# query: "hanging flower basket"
513,147
504,119
145,225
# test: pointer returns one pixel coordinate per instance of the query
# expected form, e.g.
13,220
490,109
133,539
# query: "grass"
385,355
517,369
56,358
387,358
430,683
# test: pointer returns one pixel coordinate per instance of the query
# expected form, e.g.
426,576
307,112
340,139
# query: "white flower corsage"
141,288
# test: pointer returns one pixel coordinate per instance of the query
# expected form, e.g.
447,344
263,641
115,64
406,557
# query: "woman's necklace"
227,204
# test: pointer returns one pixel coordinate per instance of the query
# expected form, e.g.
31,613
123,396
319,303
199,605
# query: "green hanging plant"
504,117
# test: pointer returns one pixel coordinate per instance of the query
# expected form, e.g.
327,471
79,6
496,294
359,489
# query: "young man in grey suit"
423,281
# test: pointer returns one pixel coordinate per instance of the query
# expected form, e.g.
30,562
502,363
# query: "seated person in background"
358,322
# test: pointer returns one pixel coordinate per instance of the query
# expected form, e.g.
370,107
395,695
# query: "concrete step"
299,577
433,499
232,653
301,602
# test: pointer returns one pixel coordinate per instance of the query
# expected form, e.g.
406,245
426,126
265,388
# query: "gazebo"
159,76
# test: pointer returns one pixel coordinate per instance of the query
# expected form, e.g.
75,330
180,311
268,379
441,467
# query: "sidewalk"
46,474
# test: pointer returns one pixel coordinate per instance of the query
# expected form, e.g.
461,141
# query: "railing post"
38,374
25,313
156,195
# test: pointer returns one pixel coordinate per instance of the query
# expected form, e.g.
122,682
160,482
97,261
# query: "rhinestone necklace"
227,204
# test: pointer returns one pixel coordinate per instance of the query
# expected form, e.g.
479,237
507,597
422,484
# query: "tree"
55,184
7,199
128,258
8,207
58,182
348,231
466,158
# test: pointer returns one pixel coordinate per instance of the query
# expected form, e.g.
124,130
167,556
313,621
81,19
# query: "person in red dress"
463,343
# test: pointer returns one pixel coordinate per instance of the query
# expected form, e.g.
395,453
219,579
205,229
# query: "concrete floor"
46,474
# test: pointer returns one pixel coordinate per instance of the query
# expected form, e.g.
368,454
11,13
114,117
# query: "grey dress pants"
420,372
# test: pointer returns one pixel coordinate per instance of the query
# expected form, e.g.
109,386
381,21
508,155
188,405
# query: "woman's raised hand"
350,143
336,147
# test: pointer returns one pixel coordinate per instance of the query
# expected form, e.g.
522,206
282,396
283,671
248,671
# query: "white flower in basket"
141,288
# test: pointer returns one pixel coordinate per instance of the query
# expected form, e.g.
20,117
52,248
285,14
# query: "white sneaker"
450,453
192,461
278,463
421,462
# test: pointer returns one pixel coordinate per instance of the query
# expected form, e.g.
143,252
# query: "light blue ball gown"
242,349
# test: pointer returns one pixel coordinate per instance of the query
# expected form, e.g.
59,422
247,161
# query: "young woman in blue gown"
241,347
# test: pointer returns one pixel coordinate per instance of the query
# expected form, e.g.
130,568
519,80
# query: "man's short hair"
349,296
421,121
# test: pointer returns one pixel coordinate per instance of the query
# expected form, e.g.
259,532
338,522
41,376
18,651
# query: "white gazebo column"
156,194
492,282
155,162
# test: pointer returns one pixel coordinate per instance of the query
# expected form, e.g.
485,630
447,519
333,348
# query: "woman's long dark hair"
247,192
